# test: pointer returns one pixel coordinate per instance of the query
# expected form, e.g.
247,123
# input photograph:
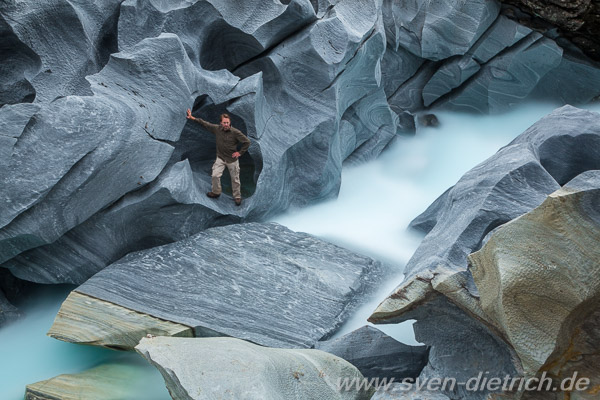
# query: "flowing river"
377,201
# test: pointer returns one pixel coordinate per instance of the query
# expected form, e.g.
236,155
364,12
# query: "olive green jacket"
227,141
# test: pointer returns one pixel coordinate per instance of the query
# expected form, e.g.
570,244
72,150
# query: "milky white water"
376,202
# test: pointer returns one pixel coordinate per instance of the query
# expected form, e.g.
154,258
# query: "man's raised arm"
209,127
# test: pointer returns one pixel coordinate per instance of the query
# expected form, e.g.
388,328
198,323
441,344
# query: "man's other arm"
243,139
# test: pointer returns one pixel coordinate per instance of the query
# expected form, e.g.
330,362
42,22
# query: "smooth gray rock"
90,151
309,107
61,42
227,368
376,355
13,119
171,208
508,78
441,29
259,282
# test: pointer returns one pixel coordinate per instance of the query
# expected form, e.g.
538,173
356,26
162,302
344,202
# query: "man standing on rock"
228,154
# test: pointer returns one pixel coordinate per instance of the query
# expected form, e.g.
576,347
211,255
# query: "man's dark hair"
223,116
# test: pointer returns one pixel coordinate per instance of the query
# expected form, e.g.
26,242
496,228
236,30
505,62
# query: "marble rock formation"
78,154
539,284
439,291
376,355
306,90
258,281
50,47
476,57
229,368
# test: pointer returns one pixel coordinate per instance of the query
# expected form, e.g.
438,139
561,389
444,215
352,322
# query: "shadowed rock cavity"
19,63
198,147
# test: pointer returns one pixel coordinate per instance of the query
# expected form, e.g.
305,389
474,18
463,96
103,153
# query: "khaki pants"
234,170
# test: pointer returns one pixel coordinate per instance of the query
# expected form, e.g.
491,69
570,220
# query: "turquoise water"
376,202
27,355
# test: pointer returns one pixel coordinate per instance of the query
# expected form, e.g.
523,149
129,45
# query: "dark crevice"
269,49
169,142
337,76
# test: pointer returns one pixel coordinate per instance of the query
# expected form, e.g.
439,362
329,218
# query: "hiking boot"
212,195
238,202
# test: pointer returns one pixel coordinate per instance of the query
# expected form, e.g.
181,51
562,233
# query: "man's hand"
189,114
236,155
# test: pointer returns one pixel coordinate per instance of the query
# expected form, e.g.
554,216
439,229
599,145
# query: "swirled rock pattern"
259,282
55,44
207,368
90,151
327,108
439,291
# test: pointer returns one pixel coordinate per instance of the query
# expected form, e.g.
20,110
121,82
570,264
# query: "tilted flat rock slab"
227,368
376,354
259,282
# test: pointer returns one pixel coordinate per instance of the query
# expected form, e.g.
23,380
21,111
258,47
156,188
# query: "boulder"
538,281
259,282
228,368
376,355
439,291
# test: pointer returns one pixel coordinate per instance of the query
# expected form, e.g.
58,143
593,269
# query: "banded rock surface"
50,47
258,282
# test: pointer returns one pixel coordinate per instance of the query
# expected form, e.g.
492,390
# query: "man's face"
226,123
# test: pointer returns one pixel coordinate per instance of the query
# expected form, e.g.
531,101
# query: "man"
228,154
